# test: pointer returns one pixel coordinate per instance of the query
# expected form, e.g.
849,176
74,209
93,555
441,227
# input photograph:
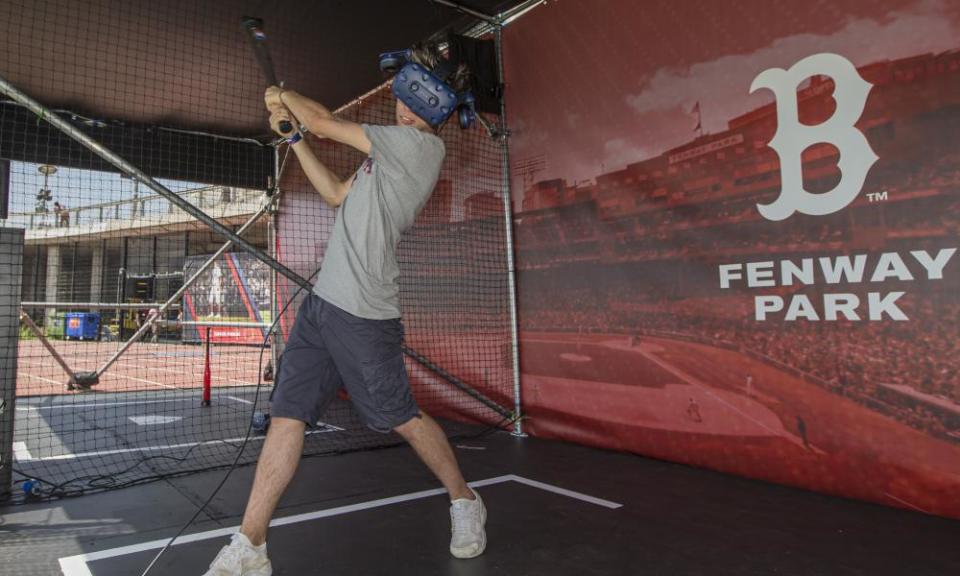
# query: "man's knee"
410,428
282,425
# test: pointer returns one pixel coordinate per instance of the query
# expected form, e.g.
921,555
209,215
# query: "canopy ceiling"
187,64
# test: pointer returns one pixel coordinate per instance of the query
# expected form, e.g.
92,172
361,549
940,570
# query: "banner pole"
508,228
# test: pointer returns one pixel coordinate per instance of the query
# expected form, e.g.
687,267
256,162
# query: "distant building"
545,194
482,205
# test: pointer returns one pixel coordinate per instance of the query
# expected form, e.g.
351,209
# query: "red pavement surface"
144,367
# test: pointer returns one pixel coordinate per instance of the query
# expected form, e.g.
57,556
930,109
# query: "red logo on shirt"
366,168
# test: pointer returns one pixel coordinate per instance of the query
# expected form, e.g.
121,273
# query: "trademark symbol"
877,196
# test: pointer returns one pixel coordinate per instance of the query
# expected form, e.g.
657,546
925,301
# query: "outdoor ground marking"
327,428
78,565
153,419
20,451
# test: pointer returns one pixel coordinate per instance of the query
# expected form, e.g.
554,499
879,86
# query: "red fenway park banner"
737,232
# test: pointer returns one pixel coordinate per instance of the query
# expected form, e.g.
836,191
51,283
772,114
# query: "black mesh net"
143,332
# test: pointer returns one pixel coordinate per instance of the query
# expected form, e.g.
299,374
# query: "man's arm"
318,119
331,188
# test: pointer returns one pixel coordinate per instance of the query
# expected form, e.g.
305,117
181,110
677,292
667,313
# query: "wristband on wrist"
294,139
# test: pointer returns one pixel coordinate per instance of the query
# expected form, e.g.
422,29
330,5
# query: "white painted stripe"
182,395
44,379
20,451
908,504
104,404
567,493
126,377
196,372
77,565
74,566
70,456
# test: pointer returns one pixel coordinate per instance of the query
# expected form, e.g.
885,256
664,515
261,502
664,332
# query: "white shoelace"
465,518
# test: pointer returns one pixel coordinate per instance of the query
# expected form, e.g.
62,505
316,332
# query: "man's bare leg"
278,461
431,445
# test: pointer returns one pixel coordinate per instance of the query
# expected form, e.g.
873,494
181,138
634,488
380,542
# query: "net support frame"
186,286
508,226
135,173
36,331
129,169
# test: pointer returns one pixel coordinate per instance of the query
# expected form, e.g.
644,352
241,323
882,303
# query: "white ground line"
20,451
126,377
183,398
70,456
77,565
101,404
199,371
44,379
908,504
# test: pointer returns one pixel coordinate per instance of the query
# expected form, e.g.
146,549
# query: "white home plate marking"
20,452
77,565
154,419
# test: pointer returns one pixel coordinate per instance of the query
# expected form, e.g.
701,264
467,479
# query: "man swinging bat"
348,331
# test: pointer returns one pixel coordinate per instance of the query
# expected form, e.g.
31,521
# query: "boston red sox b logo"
792,137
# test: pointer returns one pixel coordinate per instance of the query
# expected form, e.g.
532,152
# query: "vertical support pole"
11,262
206,370
508,225
275,339
52,285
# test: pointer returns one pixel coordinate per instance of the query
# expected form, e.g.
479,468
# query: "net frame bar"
126,167
183,289
129,169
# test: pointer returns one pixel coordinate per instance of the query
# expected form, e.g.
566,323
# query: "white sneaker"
467,518
241,558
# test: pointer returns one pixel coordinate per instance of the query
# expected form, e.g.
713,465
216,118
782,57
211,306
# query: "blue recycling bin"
82,326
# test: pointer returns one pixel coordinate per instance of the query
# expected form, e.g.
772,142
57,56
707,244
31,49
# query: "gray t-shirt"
360,270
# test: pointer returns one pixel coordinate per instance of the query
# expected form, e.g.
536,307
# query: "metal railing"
218,201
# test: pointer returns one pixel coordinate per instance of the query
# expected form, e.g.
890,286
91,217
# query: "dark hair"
429,56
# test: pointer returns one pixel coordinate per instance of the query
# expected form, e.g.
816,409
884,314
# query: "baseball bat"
258,39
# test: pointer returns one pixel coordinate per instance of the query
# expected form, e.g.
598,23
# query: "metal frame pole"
466,10
142,177
186,285
508,226
25,318
272,249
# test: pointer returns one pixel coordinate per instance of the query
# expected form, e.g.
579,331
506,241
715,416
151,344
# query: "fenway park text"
833,270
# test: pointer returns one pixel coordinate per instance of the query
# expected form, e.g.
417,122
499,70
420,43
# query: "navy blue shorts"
330,348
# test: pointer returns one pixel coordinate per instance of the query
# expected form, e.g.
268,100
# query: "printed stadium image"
486,287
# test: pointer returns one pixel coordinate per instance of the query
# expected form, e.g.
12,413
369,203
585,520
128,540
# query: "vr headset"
427,93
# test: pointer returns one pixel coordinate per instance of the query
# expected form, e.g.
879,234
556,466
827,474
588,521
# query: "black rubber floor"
673,520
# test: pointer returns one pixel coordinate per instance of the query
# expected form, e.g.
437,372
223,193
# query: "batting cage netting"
157,294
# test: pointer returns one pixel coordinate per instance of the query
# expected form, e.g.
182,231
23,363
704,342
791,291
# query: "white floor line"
199,372
567,493
908,504
20,451
126,377
70,456
47,380
78,565
235,399
102,404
